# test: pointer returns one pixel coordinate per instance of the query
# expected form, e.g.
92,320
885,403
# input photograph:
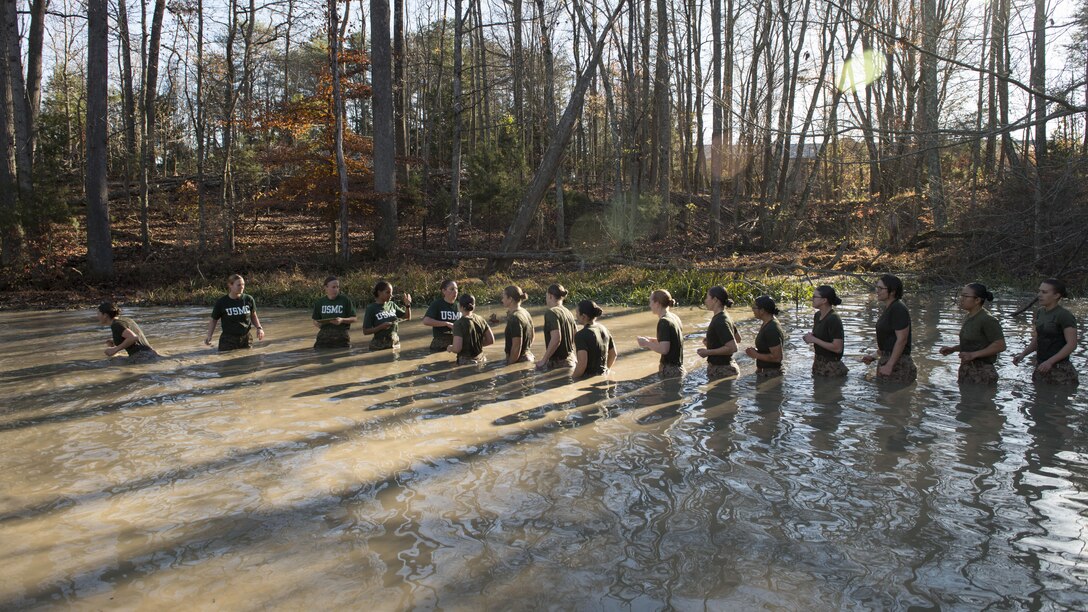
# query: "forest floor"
285,253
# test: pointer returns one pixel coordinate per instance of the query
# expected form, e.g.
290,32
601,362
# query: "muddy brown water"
285,478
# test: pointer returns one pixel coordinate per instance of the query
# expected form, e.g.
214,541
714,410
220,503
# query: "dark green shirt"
828,329
595,340
1050,329
559,318
118,327
519,325
471,330
236,315
721,331
669,330
894,317
441,310
376,314
341,307
979,331
769,336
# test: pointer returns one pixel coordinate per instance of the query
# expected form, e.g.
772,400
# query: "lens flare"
861,70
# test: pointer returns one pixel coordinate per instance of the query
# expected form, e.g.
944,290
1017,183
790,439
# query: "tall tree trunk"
99,245
20,112
663,112
458,113
338,136
128,95
716,125
550,105
931,153
230,98
201,125
385,238
1038,83
399,108
34,69
147,158
10,214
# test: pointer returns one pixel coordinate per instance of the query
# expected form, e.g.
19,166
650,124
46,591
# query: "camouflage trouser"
769,372
333,336
144,356
671,371
977,373
441,343
828,368
724,370
1062,373
559,364
388,342
230,342
904,372
528,356
466,360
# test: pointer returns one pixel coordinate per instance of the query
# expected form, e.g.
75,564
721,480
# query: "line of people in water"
591,350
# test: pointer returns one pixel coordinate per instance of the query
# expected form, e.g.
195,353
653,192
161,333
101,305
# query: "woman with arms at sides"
669,342
721,336
1054,338
769,341
594,349
827,336
441,315
333,315
471,333
238,312
127,335
981,338
559,330
519,326
381,317
893,334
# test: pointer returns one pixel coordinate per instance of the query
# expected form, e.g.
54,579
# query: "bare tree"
338,136
99,245
385,237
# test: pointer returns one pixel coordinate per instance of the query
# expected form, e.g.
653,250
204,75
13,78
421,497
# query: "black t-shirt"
559,318
471,329
720,332
519,325
595,340
118,327
770,335
828,329
895,317
236,314
669,330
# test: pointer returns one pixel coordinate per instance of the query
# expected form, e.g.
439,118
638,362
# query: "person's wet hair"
663,297
766,304
981,292
828,293
382,286
467,302
1059,286
590,309
515,293
108,309
894,285
719,293
558,291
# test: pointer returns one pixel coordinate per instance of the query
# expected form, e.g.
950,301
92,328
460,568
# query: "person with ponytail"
981,338
893,334
332,316
769,341
471,333
519,326
441,315
559,330
669,342
381,317
827,337
595,352
238,312
721,336
1054,338
127,335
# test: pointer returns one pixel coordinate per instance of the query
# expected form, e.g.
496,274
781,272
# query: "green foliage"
494,172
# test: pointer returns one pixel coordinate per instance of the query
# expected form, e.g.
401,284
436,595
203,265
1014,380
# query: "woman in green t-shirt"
981,338
238,312
381,317
127,335
769,341
594,349
333,315
441,315
893,334
1054,338
519,326
721,336
559,330
471,333
669,342
827,337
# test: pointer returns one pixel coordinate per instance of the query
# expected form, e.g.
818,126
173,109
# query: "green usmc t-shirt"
441,310
340,307
1050,326
376,314
519,325
669,330
559,319
979,331
236,314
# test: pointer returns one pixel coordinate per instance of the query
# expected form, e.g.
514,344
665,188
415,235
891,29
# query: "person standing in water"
381,317
127,335
827,336
471,333
441,315
981,338
238,312
721,336
669,342
595,351
519,326
333,315
559,330
769,341
893,334
1054,338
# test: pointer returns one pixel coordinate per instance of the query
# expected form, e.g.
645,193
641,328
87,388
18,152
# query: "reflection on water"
281,477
